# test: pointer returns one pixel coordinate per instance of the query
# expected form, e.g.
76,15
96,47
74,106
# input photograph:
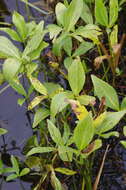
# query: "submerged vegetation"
73,117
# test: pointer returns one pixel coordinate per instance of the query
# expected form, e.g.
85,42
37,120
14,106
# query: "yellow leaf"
80,111
36,101
99,119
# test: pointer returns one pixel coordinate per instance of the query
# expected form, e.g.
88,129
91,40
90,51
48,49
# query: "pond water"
15,120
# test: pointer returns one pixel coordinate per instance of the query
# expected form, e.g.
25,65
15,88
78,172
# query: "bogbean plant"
70,126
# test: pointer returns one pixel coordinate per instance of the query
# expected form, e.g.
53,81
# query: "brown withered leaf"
116,48
89,148
99,60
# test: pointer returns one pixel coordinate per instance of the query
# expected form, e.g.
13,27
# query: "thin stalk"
100,170
87,175
1,183
27,10
100,53
83,184
22,186
33,6
106,72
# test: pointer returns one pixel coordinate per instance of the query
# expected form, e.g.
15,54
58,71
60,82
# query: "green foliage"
3,131
68,125
77,80
103,89
16,170
83,133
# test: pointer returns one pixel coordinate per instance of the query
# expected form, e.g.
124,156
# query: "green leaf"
108,135
123,143
16,85
55,182
89,31
124,130
67,62
38,86
103,89
36,53
58,44
86,100
37,100
21,101
111,119
65,171
7,49
40,115
65,153
76,76
86,14
13,34
95,145
66,133
11,177
9,170
55,133
83,132
72,14
113,12
114,36
123,104
67,46
54,30
59,102
33,44
39,29
101,14
25,171
37,150
53,88
3,131
33,162
60,11
10,68
15,165
30,27
31,67
2,79
19,22
83,48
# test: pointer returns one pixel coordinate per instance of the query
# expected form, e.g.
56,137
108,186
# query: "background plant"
68,126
